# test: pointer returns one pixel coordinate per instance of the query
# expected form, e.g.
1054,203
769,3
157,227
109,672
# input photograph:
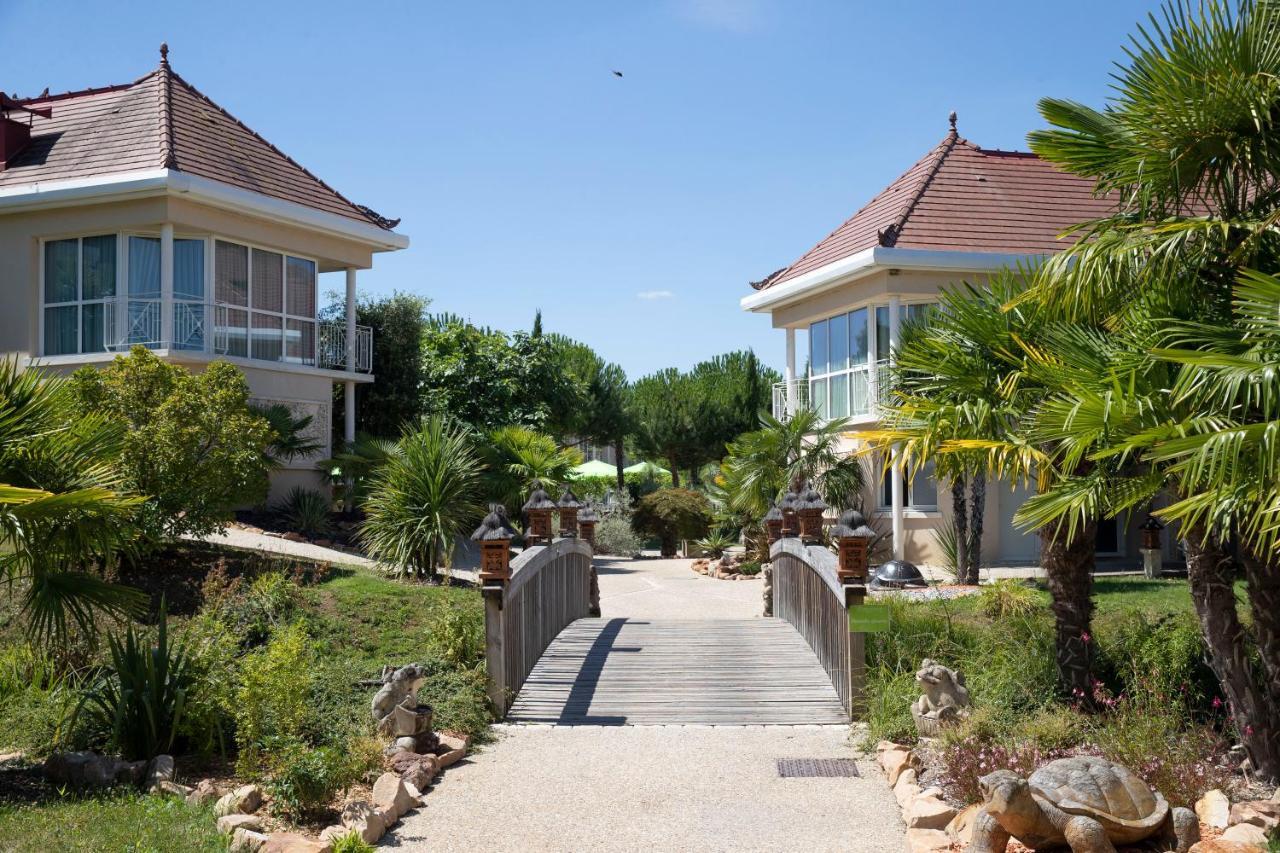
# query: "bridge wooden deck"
631,671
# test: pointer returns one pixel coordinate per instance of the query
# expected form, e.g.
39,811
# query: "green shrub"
213,670
274,700
615,536
715,543
456,636
352,843
303,780
254,610
37,703
638,484
458,697
749,568
672,515
307,511
1008,597
142,698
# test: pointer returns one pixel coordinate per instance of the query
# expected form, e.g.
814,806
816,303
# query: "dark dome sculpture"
898,574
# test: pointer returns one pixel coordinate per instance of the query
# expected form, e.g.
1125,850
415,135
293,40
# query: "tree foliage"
672,515
516,457
384,407
192,443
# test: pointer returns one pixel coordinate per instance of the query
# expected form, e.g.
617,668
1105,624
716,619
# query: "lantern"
810,507
494,535
569,505
538,508
853,540
790,522
587,519
1151,533
773,523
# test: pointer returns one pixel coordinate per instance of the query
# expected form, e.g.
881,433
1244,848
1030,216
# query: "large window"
267,303
78,288
921,491
844,351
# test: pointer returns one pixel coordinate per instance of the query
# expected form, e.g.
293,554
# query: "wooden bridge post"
495,658
854,596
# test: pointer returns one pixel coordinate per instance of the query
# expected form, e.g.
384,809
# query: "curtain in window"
300,341
818,347
188,269
60,330
268,281
231,273
838,342
61,257
301,281
99,267
858,337
144,267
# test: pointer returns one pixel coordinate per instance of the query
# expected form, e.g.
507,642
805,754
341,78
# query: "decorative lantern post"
1151,547
773,523
790,522
810,507
853,541
569,505
494,535
587,518
538,508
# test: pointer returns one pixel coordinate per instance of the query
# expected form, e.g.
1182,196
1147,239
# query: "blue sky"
633,211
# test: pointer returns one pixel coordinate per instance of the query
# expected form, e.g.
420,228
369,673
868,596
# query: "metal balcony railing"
232,330
857,392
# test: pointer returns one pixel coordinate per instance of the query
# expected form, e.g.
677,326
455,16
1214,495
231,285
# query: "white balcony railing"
857,393
232,330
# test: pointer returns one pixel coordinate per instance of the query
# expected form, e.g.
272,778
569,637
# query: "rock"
886,745
961,826
453,740
1246,833
172,789
364,819
273,534
130,772
906,789
292,536
451,758
333,833
1217,845
229,823
12,757
159,769
204,792
894,761
291,842
390,795
929,813
421,773
927,841
1214,809
415,793
1263,813
243,800
247,841
324,543
102,771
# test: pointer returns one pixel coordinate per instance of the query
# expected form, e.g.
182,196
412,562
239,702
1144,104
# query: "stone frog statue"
943,698
400,690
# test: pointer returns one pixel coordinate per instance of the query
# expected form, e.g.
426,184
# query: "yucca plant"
141,700
307,511
715,543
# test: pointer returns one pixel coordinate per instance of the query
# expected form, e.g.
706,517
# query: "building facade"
145,214
959,214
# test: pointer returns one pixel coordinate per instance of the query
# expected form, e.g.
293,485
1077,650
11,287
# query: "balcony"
856,393
232,330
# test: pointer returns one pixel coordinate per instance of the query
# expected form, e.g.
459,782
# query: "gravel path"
665,788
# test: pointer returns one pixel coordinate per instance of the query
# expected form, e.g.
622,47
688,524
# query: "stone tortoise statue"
1085,803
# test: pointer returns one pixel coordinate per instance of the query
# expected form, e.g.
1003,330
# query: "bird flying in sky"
617,74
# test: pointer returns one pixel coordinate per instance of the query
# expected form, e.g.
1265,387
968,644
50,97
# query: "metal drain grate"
809,768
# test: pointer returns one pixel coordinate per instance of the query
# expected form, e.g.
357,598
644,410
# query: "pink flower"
1085,636
1217,703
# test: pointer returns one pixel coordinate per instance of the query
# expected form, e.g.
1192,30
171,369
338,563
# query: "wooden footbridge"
551,661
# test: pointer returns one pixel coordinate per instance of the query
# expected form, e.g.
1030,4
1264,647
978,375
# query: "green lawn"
125,822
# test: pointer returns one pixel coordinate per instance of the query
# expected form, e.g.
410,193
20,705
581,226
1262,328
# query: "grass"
128,822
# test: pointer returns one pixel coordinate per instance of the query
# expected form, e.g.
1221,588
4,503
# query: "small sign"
869,618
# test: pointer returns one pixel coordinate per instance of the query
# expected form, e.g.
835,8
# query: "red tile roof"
162,121
962,198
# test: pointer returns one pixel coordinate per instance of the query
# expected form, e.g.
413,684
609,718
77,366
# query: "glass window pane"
924,488
232,333
61,257
838,342
818,347
188,269
840,395
231,273
99,259
302,288
61,330
886,489
144,267
300,341
882,333
858,337
268,281
267,342
818,397
92,318
189,322
859,393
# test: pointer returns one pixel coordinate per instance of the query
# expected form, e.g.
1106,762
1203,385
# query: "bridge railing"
808,593
550,586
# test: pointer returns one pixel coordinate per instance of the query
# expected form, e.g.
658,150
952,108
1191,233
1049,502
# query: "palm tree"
422,497
350,469
516,457
289,433
64,513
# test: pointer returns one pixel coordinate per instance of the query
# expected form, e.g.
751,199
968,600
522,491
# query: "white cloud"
654,294
737,16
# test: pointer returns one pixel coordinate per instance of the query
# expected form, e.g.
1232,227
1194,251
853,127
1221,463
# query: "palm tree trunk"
977,507
1068,563
618,463
1212,577
960,518
1263,578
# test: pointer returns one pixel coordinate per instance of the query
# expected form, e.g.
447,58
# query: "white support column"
897,483
792,392
166,285
349,406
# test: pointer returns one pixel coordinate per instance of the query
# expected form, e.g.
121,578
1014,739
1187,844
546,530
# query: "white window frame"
79,302
283,315
908,493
